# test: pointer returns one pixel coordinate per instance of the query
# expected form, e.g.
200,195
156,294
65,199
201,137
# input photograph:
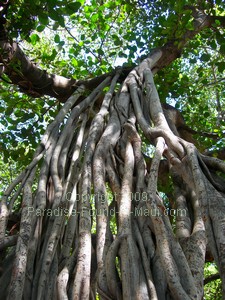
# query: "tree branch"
211,278
36,82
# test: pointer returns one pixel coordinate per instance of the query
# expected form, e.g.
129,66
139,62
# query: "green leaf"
193,60
34,38
53,55
43,18
71,8
40,28
221,66
57,38
74,62
217,22
61,43
100,52
82,37
56,15
222,48
190,25
94,17
205,57
213,44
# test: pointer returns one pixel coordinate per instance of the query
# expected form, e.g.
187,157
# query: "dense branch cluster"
91,217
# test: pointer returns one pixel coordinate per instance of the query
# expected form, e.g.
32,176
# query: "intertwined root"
91,217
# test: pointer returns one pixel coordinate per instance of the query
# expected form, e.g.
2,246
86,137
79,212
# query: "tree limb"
36,82
211,278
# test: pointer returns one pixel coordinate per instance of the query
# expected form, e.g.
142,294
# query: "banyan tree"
93,215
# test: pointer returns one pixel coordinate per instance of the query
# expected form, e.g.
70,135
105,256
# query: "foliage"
7,173
23,121
213,290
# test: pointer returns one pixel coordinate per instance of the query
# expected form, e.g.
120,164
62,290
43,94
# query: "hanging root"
90,216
